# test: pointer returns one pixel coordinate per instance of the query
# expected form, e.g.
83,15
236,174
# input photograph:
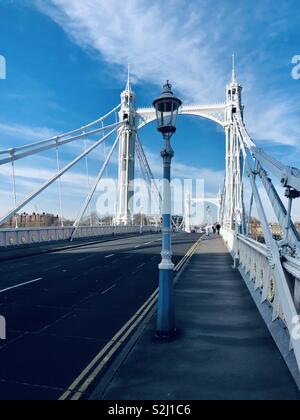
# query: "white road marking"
84,258
129,256
108,290
141,266
110,256
138,269
20,285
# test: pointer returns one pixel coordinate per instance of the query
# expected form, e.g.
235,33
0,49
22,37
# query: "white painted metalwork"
94,187
59,190
30,236
14,211
127,150
272,268
14,191
17,154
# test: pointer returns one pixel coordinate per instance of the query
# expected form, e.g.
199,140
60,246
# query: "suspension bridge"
67,291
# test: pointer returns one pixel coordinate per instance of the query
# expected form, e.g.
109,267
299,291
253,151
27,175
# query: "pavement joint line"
89,374
20,285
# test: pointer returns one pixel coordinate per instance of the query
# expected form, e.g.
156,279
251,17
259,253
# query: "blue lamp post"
167,107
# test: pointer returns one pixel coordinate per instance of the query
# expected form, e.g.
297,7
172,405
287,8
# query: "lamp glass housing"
167,108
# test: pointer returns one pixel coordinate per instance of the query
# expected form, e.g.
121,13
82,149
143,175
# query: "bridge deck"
225,350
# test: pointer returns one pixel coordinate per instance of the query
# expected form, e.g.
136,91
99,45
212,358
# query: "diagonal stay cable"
61,136
56,143
94,188
56,177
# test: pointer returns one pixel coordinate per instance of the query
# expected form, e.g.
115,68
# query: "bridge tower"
127,147
233,200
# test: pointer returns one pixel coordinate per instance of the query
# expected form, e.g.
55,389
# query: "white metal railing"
30,236
253,259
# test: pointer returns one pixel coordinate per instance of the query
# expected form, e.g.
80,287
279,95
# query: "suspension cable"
88,173
19,156
59,189
62,136
142,169
94,188
150,175
105,153
14,189
53,179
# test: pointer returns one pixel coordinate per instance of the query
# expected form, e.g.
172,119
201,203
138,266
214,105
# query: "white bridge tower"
233,200
127,147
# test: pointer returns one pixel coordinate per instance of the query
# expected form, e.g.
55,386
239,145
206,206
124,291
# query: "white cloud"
26,133
190,43
156,40
276,122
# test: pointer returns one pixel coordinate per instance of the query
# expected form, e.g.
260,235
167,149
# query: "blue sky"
67,63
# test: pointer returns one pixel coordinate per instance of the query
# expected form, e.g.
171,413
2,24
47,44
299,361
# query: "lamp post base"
166,310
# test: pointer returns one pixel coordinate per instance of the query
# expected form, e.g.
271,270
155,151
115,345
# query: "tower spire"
128,86
234,78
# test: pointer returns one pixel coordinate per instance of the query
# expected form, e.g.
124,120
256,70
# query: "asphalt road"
62,308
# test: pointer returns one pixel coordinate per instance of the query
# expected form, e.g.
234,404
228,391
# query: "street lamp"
167,107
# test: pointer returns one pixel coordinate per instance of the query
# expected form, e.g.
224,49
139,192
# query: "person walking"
207,230
218,227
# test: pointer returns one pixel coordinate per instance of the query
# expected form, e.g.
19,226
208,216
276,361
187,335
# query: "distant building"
256,230
35,220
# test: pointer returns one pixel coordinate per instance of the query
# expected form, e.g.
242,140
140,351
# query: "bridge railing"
252,257
253,260
31,236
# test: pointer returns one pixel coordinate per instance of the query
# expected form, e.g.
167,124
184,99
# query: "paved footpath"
225,351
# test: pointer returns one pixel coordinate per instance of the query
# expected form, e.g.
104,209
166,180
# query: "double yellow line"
81,384
89,374
188,255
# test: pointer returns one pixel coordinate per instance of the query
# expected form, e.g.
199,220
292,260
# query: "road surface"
62,308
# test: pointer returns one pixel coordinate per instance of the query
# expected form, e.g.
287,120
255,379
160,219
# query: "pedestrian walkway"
224,351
